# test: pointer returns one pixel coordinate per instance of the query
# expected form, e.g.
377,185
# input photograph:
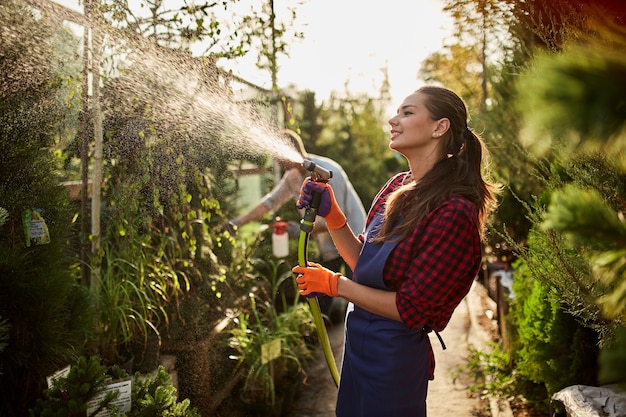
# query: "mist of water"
187,95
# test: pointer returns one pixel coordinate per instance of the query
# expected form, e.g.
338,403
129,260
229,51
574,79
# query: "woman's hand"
314,280
329,209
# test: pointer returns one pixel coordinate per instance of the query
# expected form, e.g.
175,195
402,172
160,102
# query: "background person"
289,188
417,259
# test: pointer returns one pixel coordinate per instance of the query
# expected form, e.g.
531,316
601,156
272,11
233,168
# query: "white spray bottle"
280,238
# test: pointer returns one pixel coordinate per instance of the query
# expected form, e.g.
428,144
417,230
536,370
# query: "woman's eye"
407,113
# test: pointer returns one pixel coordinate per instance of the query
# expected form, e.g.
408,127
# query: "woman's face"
413,131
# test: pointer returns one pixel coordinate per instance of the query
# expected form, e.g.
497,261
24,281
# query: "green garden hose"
306,225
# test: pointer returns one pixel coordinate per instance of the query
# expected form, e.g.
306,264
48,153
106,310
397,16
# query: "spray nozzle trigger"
318,173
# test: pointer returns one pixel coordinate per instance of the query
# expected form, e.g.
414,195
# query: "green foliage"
4,336
46,314
574,107
597,171
351,131
551,261
178,25
269,319
156,396
125,308
70,396
4,216
540,25
269,35
152,395
583,86
567,273
548,351
551,347
494,375
585,219
613,359
583,216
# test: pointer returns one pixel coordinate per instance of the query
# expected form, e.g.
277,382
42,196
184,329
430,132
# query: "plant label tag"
123,401
62,373
35,227
37,230
270,351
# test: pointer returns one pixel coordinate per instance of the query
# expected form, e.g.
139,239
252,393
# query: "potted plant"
271,345
85,388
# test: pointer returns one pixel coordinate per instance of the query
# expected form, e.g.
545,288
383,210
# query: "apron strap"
428,330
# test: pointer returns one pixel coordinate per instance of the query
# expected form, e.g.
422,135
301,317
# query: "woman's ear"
443,125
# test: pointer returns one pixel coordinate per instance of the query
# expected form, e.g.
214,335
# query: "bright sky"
352,41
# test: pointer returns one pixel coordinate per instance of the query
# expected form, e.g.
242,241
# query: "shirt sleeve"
287,188
446,261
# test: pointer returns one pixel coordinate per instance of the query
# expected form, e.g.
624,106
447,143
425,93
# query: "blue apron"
385,366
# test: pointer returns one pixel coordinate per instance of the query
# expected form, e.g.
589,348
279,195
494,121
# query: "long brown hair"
457,173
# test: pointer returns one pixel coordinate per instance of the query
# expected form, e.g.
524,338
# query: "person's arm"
254,214
348,200
284,190
314,279
374,300
347,244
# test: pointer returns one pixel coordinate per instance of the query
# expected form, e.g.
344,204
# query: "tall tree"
180,25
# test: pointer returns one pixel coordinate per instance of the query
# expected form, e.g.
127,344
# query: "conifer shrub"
550,346
85,388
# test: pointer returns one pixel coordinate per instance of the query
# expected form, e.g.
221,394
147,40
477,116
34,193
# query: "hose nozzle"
318,173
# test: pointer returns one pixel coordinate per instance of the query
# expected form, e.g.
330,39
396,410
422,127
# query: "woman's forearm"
374,300
347,244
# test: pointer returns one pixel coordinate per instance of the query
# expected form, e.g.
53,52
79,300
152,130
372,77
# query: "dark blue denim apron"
385,366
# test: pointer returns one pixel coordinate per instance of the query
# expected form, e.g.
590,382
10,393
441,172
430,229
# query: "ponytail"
476,156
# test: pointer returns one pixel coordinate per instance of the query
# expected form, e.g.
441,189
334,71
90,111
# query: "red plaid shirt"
433,269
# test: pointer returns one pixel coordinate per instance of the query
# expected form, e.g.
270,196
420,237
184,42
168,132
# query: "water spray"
179,85
319,174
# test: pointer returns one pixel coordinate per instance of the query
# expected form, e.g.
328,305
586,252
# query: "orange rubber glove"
328,209
314,280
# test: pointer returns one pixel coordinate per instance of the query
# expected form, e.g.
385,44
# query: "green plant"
4,216
69,396
583,222
124,310
493,375
551,347
156,396
263,328
4,336
48,315
491,372
73,395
